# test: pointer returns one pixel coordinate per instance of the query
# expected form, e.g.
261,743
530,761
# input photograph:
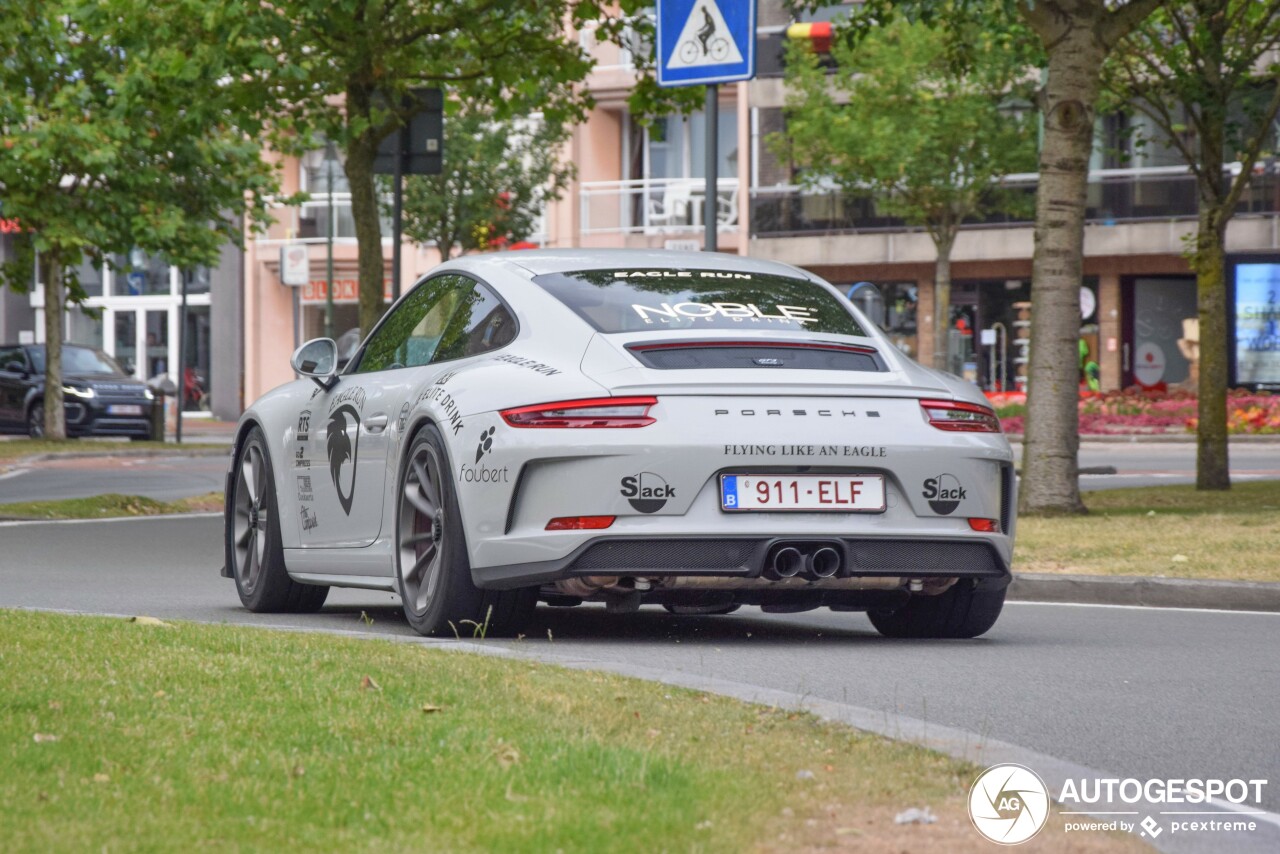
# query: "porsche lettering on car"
689,430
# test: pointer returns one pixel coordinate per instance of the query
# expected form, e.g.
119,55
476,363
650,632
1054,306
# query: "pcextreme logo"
1009,804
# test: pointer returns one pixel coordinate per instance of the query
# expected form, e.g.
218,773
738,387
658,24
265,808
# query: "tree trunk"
55,300
1212,465
361,152
942,298
1050,475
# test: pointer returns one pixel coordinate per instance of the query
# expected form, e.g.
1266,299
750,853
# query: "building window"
140,274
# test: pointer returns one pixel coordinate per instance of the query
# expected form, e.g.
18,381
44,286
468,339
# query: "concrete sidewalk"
1147,591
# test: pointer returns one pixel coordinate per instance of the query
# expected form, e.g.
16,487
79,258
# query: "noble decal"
300,458
309,520
304,425
343,452
305,492
404,417
646,491
532,364
666,312
944,493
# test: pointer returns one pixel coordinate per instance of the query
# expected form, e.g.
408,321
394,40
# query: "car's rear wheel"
252,532
35,420
963,611
433,570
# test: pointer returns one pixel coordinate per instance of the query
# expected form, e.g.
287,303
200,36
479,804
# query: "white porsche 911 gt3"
692,430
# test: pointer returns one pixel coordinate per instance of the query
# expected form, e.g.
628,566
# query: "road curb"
1145,591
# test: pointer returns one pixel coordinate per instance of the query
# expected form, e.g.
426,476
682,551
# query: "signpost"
416,149
707,42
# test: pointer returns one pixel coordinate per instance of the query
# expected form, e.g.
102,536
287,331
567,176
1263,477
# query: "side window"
411,335
10,354
481,323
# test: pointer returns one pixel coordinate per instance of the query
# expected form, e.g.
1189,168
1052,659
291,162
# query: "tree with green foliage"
497,178
1204,73
1076,36
346,66
123,124
932,140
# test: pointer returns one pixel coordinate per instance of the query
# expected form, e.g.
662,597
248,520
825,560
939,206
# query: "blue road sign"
706,41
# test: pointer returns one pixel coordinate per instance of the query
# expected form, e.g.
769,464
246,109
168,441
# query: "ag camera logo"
1009,804
646,491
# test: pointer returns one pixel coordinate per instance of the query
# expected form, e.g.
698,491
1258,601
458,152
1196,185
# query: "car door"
341,466
13,386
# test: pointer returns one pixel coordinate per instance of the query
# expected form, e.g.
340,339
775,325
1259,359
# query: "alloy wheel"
421,538
252,518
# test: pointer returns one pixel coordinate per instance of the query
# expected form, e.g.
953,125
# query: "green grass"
17,448
1171,531
108,505
172,737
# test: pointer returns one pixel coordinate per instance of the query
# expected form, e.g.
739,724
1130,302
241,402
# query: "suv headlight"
86,392
148,394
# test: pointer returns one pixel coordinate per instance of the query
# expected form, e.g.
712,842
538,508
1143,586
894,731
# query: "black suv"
101,399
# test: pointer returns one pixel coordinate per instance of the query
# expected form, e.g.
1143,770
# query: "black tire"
251,533
144,438
432,565
963,611
35,419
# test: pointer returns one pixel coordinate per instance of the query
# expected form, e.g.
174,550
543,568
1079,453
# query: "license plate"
839,493
124,409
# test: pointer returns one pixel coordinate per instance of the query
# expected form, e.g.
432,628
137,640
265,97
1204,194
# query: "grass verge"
16,448
1171,531
138,736
109,505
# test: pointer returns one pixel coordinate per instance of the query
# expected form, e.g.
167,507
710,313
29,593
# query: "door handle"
376,423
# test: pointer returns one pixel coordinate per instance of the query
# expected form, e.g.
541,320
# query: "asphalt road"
161,478
171,478
1138,692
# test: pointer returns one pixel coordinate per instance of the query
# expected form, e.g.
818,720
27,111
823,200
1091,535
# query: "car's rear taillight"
595,412
960,417
985,526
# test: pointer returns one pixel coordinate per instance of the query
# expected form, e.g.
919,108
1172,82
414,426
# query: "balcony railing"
309,222
654,206
1114,195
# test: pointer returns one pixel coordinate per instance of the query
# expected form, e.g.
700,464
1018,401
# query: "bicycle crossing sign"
706,41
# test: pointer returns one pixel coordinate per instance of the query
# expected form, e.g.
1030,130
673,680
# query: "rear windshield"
639,300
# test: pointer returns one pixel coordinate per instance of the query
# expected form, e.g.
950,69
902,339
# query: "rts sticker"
944,493
646,492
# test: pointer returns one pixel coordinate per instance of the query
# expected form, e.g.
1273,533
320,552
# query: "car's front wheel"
433,570
254,552
963,611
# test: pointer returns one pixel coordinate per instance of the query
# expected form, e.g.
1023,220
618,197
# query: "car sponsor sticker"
944,493
646,491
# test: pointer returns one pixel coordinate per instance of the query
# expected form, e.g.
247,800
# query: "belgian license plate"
124,409
841,493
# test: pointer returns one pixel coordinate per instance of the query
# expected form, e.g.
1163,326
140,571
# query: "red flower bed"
1137,411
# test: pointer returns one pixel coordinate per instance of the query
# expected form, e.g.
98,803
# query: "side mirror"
15,367
317,359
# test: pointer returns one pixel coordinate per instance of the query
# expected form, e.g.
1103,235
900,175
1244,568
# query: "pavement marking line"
204,515
13,473
955,742
1139,607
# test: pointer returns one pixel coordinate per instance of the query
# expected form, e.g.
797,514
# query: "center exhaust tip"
824,562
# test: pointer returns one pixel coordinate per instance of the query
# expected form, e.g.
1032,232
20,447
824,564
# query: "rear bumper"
745,556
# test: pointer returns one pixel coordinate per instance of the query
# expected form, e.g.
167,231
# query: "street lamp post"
330,157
